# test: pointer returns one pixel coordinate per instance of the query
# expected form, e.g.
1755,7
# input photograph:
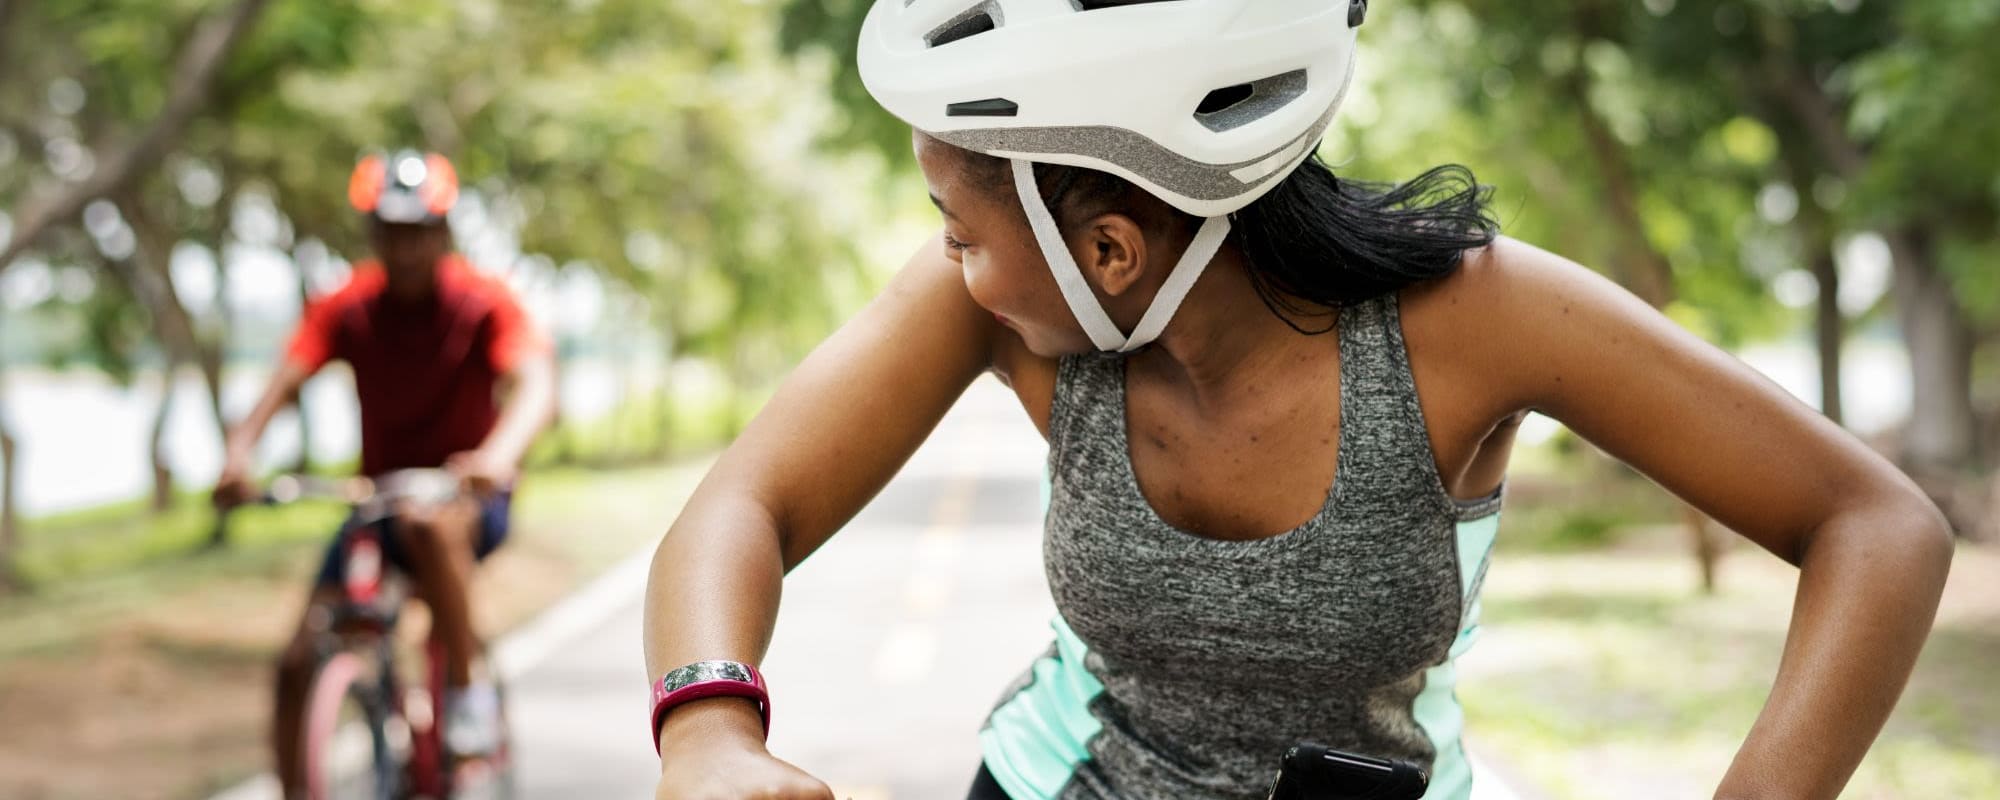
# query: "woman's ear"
1112,253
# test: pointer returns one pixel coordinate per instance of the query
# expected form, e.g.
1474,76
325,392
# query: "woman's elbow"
1903,525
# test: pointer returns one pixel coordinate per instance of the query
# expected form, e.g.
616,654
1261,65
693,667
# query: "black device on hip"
1314,772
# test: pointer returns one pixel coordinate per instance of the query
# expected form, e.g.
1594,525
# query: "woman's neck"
1224,338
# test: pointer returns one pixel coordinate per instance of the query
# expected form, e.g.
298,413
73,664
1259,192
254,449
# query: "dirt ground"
142,692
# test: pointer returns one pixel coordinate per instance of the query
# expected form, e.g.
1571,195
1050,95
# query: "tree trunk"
1708,551
1641,267
1940,437
215,346
1829,328
10,520
119,166
211,377
1815,230
664,448
163,475
154,285
7,15
565,434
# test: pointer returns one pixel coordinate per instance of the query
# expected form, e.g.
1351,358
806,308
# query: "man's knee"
429,532
294,664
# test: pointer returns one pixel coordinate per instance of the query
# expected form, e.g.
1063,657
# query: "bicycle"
369,732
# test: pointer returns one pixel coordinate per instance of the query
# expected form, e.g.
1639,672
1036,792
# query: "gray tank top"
1185,666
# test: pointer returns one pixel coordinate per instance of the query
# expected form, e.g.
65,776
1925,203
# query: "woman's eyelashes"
953,244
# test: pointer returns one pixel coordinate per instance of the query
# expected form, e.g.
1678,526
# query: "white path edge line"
529,645
1488,784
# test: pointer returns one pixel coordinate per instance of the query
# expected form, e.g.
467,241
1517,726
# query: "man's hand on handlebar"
482,472
234,486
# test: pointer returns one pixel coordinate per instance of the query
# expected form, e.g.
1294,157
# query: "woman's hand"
714,750
706,771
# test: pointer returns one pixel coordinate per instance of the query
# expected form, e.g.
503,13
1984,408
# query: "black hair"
1315,242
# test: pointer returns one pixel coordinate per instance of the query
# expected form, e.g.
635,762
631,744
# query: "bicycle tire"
493,776
346,750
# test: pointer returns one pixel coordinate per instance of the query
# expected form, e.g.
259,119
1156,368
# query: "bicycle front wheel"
347,749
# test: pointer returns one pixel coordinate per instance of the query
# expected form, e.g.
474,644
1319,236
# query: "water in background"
84,440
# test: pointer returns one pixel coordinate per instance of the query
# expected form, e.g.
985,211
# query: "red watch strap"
704,679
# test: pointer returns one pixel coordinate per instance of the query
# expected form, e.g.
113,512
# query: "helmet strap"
1076,291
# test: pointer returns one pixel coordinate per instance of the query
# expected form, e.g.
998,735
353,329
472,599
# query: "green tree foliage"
668,148
825,31
1870,121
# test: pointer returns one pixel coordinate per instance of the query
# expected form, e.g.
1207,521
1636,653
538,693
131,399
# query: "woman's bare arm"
836,431
1872,550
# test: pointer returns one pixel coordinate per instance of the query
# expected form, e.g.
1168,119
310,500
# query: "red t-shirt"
425,372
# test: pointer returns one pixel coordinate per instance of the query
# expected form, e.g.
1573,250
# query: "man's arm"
239,445
529,407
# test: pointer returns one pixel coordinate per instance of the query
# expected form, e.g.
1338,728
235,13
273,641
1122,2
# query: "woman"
1269,518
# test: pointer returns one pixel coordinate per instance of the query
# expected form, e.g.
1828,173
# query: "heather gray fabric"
1133,151
1215,656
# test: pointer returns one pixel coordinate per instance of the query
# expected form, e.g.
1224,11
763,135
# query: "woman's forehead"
955,178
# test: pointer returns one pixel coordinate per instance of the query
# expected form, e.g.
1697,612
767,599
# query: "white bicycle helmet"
1206,104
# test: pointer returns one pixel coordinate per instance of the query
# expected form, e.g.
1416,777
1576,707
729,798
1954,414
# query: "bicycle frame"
355,648
358,642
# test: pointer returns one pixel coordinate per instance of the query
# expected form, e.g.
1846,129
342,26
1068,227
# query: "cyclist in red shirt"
449,371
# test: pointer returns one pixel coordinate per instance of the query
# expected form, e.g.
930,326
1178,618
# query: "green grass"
1561,516
86,572
97,569
1609,676
107,540
101,542
126,536
1606,673
642,430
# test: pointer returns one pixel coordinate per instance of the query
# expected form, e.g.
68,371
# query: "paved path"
894,640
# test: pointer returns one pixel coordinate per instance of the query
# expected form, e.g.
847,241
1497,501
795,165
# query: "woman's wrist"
715,720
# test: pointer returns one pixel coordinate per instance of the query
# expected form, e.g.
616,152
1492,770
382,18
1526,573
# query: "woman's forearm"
713,595
1869,585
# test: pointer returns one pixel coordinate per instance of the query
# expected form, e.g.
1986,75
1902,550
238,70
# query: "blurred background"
690,195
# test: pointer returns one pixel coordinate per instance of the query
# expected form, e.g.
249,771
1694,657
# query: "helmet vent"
1093,5
974,21
990,107
1221,99
1235,106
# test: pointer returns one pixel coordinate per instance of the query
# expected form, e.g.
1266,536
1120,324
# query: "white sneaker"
472,720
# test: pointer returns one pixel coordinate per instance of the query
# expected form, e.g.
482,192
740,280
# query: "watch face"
705,671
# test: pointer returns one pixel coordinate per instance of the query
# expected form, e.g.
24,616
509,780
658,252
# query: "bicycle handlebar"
373,498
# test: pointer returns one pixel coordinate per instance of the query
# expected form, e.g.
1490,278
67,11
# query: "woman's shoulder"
1487,275
1500,289
1486,323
